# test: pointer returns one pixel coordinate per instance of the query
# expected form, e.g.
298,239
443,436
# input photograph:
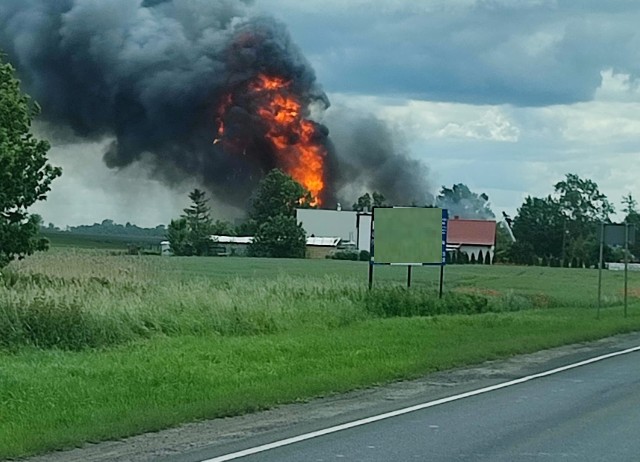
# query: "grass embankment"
148,342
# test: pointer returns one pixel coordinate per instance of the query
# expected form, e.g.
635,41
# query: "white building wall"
364,232
328,223
476,249
337,223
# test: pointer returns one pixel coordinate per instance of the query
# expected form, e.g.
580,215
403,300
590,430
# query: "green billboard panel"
409,236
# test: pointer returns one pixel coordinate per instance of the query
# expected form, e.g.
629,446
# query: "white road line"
406,410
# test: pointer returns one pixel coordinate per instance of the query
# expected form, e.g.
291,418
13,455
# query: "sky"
506,96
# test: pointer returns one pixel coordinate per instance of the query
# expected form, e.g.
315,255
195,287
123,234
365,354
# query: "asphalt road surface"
588,413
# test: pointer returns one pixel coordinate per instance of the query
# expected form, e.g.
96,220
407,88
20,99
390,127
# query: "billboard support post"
441,281
408,276
626,265
600,265
620,235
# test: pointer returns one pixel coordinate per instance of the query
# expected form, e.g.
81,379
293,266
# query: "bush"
346,255
405,302
365,255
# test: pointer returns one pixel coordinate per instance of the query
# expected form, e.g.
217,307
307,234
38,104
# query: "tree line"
561,229
271,222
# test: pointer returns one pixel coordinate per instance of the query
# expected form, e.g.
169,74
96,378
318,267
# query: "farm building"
349,226
232,245
321,247
165,249
472,237
317,247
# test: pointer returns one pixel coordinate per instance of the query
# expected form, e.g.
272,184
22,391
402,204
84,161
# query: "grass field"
96,346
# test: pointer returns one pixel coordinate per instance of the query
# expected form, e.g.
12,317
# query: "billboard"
408,236
614,234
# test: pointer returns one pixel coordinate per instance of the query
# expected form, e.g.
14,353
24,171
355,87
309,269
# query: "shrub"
346,255
405,302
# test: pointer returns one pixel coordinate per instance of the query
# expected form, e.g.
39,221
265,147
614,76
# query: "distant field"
96,345
100,241
558,286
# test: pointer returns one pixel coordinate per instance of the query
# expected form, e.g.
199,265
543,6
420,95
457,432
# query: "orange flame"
292,136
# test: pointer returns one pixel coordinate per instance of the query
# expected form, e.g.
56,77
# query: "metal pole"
441,280
370,275
626,265
409,276
600,264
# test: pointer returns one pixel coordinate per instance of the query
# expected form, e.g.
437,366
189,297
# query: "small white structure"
620,266
165,249
321,247
232,245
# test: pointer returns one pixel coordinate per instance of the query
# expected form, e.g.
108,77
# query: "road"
588,413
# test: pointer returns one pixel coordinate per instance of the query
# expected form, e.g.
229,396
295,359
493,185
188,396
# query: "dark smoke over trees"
152,75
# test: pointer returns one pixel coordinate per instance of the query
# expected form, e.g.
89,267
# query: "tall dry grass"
79,299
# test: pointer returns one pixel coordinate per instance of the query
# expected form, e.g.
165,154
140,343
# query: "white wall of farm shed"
328,223
337,223
364,231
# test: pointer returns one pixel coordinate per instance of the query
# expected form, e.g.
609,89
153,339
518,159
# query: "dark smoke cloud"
371,157
152,74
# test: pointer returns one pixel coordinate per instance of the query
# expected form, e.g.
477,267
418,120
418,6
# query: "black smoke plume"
153,74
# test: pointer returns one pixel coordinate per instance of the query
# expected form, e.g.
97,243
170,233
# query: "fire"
293,138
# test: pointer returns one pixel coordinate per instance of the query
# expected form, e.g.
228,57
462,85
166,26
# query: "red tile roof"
471,232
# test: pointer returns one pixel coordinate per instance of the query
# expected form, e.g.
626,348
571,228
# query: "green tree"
378,199
278,194
191,233
462,202
273,217
280,236
630,207
582,203
541,224
199,223
522,253
223,228
503,244
363,203
367,201
25,174
179,238
584,207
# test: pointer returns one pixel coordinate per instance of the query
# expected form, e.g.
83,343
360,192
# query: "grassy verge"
54,399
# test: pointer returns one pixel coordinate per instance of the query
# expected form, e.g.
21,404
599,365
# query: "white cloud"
617,87
493,125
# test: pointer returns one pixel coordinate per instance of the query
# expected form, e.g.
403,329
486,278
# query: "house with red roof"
473,237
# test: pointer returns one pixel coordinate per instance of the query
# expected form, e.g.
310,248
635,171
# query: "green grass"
97,346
